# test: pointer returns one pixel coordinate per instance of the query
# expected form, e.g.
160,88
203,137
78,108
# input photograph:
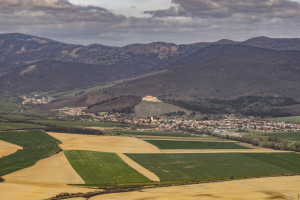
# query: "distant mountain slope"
274,43
224,71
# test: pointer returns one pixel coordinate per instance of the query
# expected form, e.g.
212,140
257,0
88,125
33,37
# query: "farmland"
284,187
169,144
76,123
204,167
4,126
294,119
293,136
103,168
152,133
37,145
116,144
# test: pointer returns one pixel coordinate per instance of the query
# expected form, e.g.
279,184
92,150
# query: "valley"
215,120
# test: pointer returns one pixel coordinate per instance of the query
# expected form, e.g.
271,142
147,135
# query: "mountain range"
225,69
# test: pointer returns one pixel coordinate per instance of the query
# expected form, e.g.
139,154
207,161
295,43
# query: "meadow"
103,168
222,166
293,136
77,123
4,126
169,144
294,119
36,146
152,133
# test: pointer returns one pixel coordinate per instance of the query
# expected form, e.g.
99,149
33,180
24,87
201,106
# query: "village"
36,99
227,124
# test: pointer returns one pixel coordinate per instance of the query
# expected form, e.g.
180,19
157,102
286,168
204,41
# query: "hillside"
196,72
223,71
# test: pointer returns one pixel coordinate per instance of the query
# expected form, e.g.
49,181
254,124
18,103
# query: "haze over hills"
227,69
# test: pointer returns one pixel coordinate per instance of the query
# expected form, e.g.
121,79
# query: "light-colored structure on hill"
151,98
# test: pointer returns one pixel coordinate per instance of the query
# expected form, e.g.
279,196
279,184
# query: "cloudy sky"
121,22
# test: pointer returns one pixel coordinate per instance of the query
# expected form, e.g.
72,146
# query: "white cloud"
82,24
133,8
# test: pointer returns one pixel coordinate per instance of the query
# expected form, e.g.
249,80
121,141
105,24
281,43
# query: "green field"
294,136
37,145
222,166
103,168
77,123
16,117
169,144
13,126
8,103
153,133
295,119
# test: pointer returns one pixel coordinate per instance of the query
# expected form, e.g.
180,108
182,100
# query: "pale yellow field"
53,170
258,189
115,144
220,151
14,191
150,175
100,128
7,148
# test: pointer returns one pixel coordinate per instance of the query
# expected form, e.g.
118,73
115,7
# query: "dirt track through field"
222,151
150,175
15,191
116,144
260,188
53,170
7,148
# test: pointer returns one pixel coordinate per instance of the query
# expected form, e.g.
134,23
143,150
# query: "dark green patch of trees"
85,131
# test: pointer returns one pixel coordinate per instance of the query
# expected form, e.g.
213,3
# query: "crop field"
8,103
153,133
13,126
37,145
206,167
103,168
78,123
169,144
294,136
17,117
295,119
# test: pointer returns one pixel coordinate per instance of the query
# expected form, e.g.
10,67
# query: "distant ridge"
223,69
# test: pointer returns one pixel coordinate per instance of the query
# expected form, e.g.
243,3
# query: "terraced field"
37,145
103,168
203,167
169,144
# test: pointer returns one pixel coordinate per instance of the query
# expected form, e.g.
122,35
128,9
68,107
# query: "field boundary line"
150,175
223,151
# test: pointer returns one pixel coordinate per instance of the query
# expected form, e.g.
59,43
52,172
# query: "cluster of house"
36,100
228,122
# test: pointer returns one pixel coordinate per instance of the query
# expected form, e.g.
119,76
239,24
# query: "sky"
122,22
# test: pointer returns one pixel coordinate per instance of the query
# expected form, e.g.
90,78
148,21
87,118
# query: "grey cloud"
61,10
228,8
187,21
